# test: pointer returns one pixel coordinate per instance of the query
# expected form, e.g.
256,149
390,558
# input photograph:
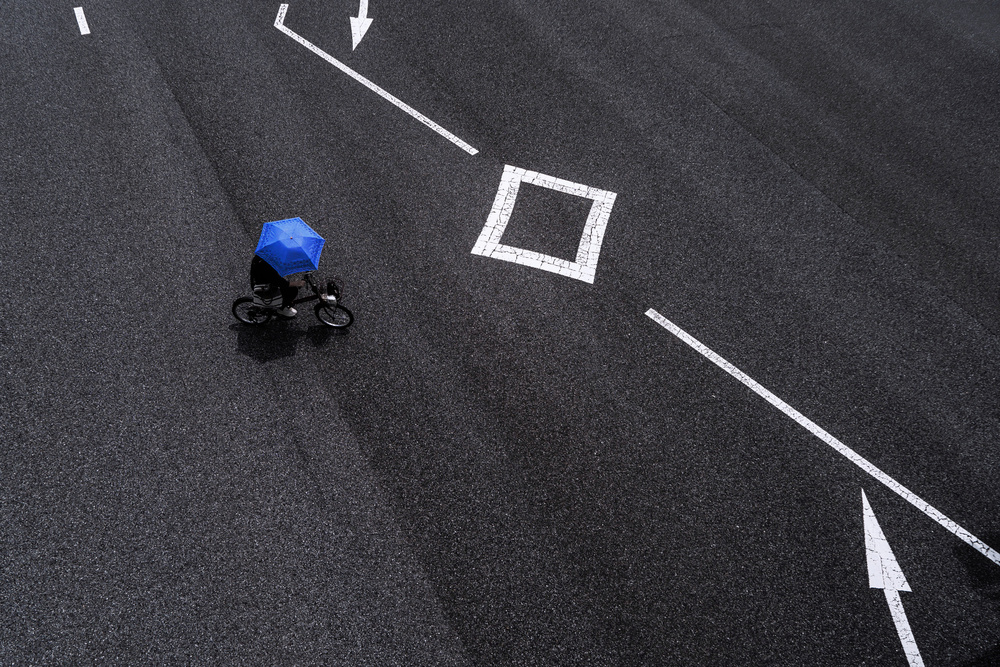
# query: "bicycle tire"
247,312
337,316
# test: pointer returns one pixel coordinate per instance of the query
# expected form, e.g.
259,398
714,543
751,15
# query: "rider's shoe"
288,312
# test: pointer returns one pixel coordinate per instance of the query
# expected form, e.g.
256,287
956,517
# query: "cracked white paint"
903,628
585,265
884,572
883,569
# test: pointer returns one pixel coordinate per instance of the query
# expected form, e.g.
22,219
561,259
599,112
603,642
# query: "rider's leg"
288,295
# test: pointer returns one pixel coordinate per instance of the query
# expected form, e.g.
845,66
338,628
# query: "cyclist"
262,273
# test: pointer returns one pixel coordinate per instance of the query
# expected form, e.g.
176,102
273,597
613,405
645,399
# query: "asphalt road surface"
500,464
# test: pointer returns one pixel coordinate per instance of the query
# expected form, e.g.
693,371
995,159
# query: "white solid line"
279,23
840,447
903,628
81,20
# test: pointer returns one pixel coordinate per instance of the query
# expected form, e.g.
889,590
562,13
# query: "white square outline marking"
585,266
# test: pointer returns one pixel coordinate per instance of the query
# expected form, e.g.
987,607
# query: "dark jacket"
262,273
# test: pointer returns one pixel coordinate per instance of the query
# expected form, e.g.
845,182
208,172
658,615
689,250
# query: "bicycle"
266,300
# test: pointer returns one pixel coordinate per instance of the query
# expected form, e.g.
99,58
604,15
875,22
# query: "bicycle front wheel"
337,316
247,312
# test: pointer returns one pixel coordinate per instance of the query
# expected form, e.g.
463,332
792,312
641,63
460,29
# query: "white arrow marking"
837,445
883,569
360,24
279,23
884,573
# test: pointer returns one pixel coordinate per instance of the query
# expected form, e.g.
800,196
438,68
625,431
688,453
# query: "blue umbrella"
290,246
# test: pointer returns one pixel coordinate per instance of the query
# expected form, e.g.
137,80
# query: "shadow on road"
990,659
280,339
985,576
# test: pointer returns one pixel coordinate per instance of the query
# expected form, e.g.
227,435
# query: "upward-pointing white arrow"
360,24
884,573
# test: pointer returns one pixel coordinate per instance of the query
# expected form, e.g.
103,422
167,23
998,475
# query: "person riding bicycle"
262,273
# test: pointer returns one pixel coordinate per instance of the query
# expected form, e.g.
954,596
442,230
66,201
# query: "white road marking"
360,25
279,23
585,266
837,445
883,568
903,628
81,21
884,572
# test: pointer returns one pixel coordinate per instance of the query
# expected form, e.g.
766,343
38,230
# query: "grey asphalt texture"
498,465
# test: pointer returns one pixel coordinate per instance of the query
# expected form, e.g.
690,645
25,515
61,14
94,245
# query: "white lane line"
837,445
279,23
81,21
587,253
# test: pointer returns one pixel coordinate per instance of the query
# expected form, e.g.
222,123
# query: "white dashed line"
81,20
585,266
279,23
840,447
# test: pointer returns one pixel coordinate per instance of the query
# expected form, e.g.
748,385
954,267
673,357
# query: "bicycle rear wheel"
337,316
247,312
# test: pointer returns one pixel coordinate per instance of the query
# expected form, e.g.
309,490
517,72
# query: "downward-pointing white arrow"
884,573
360,24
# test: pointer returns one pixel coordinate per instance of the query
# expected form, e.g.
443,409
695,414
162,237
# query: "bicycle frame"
329,311
317,293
